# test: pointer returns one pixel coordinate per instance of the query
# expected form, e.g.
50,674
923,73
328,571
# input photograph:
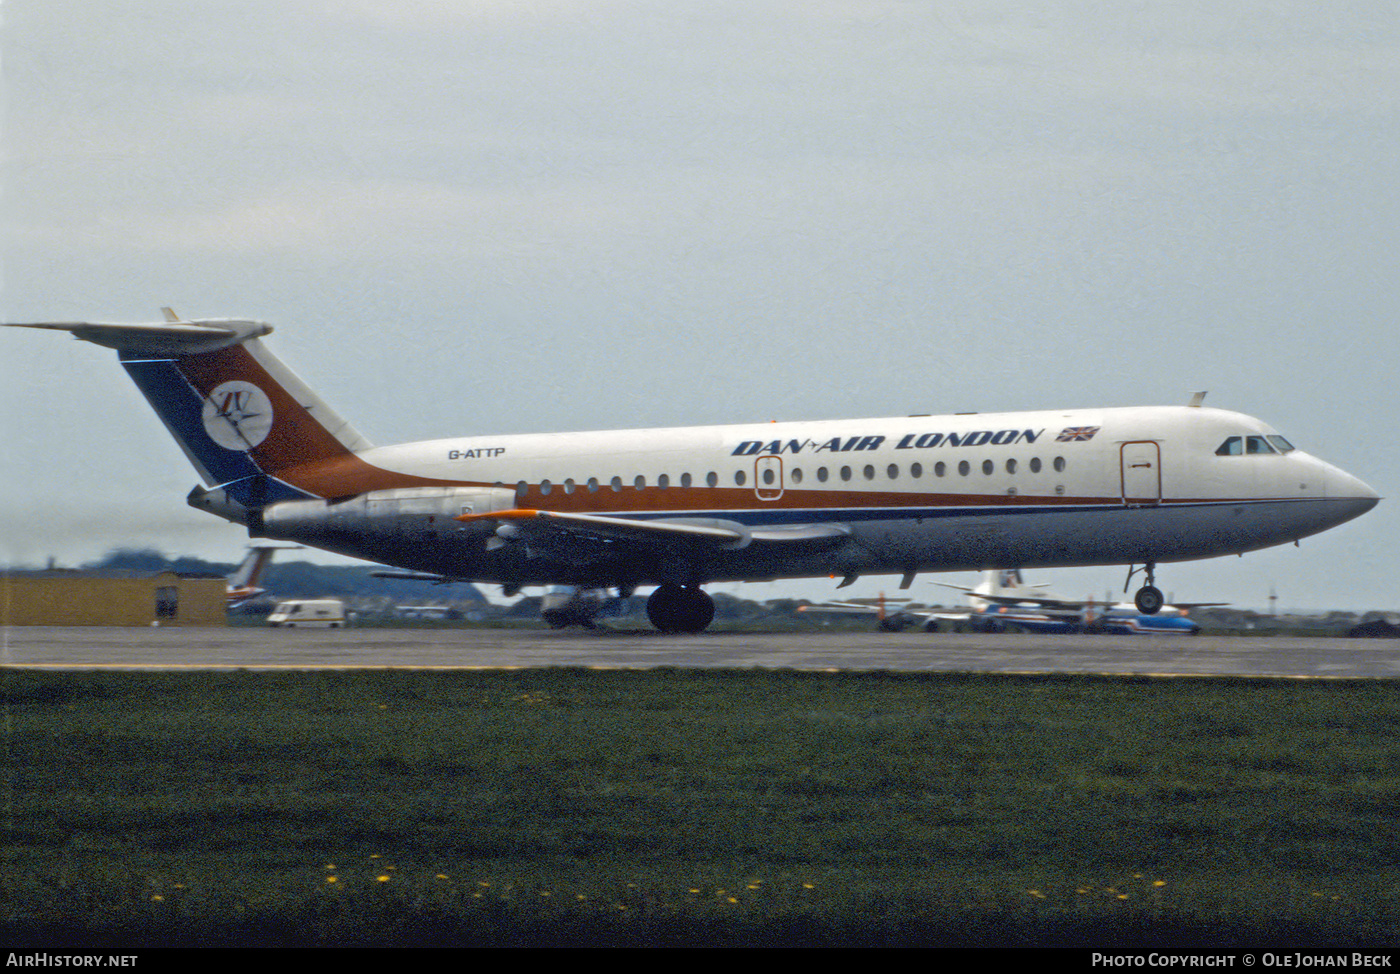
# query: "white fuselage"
676,508
924,493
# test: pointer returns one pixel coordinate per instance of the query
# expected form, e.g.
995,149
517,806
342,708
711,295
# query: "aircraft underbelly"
893,544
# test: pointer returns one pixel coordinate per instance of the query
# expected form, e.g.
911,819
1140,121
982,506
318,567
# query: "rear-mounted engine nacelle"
420,511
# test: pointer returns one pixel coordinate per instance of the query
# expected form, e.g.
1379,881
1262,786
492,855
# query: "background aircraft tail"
250,427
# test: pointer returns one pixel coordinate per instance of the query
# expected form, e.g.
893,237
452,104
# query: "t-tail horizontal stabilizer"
255,432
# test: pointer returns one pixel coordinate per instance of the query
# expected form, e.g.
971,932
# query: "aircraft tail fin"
247,423
249,573
1009,580
1004,581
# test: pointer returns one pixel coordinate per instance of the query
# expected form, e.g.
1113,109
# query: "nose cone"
1349,496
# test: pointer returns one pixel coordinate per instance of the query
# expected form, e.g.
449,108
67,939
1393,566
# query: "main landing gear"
1149,600
677,608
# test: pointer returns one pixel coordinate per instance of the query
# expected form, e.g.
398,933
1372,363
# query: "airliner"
243,583
1003,601
675,509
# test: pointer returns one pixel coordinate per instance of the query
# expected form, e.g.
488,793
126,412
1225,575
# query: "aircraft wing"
972,591
871,603
1046,603
418,577
561,527
1060,608
1071,605
837,608
857,607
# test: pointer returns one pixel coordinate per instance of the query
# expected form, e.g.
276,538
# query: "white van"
323,613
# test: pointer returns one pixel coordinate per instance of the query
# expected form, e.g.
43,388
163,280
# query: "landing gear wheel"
1149,600
673,608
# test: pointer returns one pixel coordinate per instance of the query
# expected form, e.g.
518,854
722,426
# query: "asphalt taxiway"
257,648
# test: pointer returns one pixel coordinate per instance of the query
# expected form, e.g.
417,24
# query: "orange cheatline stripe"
517,514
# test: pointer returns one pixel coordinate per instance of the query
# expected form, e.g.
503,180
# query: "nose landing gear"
1149,600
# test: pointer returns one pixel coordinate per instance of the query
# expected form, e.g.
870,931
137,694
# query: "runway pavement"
257,648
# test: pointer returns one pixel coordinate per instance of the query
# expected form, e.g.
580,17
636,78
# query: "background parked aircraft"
243,582
1003,601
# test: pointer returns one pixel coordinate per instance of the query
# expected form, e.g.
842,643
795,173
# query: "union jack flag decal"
1074,434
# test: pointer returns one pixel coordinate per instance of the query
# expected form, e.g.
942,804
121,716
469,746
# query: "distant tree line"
293,579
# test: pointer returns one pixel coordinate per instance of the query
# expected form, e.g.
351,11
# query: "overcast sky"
488,216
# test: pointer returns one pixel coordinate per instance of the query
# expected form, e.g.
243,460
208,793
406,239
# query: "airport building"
59,597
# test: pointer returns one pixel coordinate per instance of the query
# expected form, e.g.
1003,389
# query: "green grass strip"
564,806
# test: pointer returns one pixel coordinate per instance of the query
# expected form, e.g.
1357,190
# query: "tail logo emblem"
237,415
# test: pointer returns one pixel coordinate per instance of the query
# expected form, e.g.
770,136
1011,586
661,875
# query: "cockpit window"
1235,446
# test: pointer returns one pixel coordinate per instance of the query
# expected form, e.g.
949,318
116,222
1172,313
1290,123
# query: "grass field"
697,807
